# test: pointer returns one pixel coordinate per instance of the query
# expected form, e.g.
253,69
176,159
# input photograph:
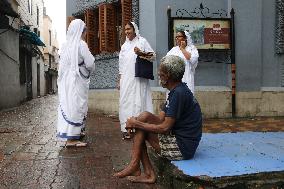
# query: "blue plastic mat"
230,154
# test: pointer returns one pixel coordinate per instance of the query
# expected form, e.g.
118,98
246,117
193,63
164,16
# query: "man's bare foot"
128,171
149,179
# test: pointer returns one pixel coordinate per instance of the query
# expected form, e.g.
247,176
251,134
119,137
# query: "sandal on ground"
82,135
76,144
83,132
126,136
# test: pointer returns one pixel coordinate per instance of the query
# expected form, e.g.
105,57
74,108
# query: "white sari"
135,92
190,65
73,83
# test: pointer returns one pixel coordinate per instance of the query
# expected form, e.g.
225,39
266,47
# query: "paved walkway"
32,157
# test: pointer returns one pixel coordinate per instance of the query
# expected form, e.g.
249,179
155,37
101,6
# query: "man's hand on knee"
130,124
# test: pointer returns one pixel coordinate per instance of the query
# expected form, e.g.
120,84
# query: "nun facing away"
135,92
188,52
75,65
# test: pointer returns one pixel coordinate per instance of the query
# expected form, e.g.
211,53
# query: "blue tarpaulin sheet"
232,154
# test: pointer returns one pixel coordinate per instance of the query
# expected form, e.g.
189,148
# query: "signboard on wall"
205,33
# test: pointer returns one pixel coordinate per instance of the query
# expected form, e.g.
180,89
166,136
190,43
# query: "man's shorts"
169,147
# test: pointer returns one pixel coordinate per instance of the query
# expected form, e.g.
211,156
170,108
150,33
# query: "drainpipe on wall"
233,63
169,13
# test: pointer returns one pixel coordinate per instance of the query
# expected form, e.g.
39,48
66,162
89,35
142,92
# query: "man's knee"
144,116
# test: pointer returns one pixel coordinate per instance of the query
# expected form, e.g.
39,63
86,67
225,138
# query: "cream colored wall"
54,43
50,49
214,102
47,25
267,102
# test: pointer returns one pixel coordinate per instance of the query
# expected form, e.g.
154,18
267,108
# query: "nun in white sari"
135,92
75,65
188,52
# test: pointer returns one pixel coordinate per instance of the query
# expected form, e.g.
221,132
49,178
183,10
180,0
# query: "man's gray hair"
174,66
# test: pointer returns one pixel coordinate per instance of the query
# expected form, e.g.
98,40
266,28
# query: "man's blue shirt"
184,108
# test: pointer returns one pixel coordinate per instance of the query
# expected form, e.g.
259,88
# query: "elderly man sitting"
174,134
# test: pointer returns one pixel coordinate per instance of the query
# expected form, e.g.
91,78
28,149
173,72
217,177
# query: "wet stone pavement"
32,157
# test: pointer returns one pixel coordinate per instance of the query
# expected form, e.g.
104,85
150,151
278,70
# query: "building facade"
21,52
31,61
259,65
9,58
51,56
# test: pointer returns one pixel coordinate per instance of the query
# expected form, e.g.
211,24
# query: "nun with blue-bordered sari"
75,65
